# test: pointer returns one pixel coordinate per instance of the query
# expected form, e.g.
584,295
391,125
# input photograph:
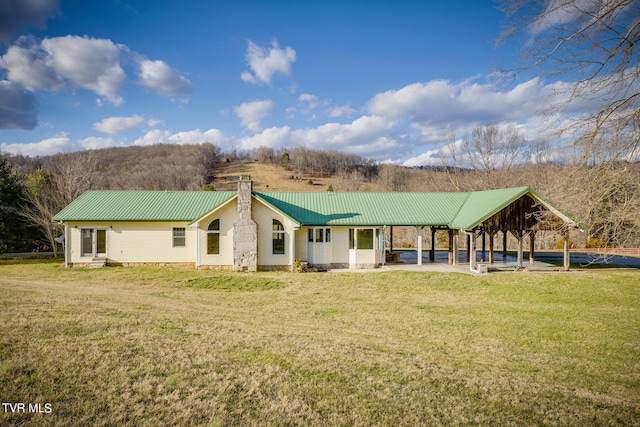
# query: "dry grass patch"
150,346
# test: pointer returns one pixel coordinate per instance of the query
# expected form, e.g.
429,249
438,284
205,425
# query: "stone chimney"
245,234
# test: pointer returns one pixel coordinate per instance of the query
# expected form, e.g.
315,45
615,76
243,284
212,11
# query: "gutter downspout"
383,254
66,245
292,246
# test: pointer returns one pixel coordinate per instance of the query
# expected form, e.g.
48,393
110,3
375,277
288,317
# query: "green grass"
175,346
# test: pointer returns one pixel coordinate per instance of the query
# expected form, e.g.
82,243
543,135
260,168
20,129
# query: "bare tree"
492,152
44,199
593,44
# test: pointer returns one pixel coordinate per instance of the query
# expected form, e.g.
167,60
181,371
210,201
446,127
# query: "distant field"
170,346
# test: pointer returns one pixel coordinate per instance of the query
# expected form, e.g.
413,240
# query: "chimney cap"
245,177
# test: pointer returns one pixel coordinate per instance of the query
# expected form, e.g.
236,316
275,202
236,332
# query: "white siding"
264,216
340,242
137,242
301,244
227,215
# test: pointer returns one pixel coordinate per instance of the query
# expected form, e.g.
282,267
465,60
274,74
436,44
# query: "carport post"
567,257
456,234
419,245
491,235
532,244
432,254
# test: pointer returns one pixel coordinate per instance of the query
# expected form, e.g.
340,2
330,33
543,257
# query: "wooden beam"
484,246
504,244
432,254
491,255
455,247
567,257
532,244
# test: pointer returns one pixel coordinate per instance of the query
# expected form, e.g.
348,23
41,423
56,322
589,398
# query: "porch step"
98,263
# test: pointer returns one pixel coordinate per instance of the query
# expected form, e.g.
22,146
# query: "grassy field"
170,346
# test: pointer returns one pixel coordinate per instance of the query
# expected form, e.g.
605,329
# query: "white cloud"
96,143
251,113
29,65
116,125
362,131
89,63
439,107
366,135
341,111
45,147
159,77
196,136
265,63
436,157
311,100
152,123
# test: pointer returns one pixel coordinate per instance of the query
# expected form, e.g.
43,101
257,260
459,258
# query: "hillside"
270,177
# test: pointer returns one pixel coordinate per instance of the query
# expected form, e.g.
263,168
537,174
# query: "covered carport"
483,214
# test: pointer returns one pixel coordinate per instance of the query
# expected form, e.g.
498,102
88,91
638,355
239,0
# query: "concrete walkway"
408,262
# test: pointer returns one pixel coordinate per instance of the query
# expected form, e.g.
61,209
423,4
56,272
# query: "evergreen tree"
16,235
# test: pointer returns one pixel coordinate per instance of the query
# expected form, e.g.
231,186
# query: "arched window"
277,238
213,237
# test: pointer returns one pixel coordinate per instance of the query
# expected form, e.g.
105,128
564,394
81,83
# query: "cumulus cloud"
196,136
89,63
18,109
251,113
96,143
272,137
309,99
341,111
438,106
18,14
367,134
116,125
28,64
162,79
266,62
59,144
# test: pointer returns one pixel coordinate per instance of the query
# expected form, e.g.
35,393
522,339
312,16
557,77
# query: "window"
361,238
93,242
87,242
319,235
213,238
179,237
277,238
365,238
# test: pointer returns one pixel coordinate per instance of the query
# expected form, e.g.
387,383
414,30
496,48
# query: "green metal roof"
481,205
336,208
143,205
463,210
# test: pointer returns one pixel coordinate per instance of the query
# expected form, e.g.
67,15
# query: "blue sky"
392,81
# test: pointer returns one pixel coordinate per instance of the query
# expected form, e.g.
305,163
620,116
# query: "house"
249,230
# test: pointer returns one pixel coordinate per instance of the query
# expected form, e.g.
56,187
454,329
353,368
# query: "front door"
94,242
319,245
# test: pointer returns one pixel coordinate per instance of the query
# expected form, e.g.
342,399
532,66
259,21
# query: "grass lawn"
171,346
